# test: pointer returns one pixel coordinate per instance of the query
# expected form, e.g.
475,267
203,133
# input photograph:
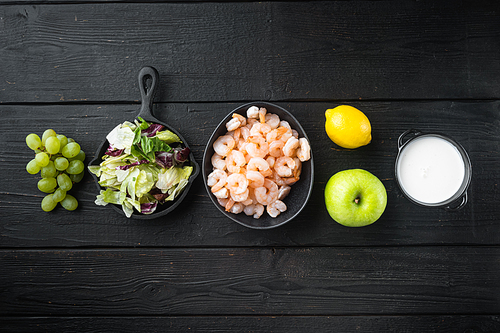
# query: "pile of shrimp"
256,162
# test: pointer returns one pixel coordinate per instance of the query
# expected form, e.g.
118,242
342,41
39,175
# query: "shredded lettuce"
141,169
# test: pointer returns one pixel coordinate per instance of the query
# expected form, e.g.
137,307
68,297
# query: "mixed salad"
145,165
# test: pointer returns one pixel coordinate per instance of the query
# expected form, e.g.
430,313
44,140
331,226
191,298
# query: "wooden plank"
251,281
198,223
257,324
249,51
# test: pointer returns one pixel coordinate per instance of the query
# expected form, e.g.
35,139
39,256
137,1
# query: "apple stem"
356,200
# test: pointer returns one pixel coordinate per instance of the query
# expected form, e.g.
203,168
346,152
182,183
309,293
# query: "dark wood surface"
73,66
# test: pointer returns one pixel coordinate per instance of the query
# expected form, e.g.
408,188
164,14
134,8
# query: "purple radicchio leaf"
181,154
128,166
158,194
148,208
151,130
161,196
113,152
164,159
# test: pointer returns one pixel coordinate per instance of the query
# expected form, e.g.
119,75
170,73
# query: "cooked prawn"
217,179
255,179
254,209
260,129
291,146
304,152
237,183
276,208
286,135
268,193
235,123
259,164
234,161
276,148
218,162
237,208
239,197
223,193
224,144
283,192
284,166
257,146
253,112
272,120
276,134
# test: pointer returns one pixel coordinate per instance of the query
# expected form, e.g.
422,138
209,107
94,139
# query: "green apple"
355,197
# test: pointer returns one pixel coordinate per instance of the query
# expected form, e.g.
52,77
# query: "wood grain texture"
251,51
476,125
246,281
256,324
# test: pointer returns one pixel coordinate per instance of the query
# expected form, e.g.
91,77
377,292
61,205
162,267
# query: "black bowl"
147,94
301,191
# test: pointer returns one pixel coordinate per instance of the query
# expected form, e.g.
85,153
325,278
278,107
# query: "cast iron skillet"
301,191
147,95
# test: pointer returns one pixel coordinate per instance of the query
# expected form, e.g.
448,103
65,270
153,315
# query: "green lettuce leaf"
168,137
144,183
107,196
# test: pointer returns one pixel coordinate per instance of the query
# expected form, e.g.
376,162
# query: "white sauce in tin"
430,169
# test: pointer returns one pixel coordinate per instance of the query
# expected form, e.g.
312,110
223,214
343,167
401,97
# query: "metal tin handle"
148,89
402,136
460,205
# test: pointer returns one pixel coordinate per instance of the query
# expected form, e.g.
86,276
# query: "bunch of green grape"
60,162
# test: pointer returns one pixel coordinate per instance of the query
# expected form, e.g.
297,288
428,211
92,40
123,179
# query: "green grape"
48,203
71,150
64,182
71,140
69,203
80,156
63,140
75,167
61,163
33,141
42,159
77,178
59,195
48,171
52,144
47,134
32,167
47,185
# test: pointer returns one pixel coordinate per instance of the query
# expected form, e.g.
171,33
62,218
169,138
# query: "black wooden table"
73,66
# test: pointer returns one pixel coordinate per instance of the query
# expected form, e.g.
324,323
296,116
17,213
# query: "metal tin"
457,200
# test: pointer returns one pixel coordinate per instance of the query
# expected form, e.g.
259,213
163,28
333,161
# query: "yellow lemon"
348,127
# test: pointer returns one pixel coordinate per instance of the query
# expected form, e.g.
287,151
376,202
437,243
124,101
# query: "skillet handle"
148,91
